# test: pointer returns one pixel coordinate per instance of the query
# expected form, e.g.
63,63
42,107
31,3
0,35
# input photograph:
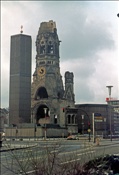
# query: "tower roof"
47,27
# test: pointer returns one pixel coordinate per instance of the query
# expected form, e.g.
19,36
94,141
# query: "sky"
89,34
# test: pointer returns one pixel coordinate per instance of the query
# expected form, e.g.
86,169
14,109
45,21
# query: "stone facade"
48,96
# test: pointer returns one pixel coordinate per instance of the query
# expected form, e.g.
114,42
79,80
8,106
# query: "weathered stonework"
47,86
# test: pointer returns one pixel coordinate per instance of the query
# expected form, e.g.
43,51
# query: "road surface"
63,152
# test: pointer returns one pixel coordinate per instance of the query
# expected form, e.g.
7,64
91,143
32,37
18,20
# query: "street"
63,152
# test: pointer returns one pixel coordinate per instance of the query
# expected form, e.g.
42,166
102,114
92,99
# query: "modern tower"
20,79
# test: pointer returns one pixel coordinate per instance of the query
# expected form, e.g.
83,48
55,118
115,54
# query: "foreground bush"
107,165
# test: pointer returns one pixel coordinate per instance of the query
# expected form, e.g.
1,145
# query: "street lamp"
82,124
32,121
35,130
16,131
105,125
55,120
93,118
45,110
109,90
1,133
2,115
89,124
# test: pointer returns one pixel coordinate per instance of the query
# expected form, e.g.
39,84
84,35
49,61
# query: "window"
41,93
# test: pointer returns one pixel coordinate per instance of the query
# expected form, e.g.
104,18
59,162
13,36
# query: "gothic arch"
41,112
41,93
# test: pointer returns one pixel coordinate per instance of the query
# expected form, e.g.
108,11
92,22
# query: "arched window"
50,47
41,93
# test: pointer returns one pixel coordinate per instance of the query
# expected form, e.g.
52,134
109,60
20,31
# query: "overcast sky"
89,32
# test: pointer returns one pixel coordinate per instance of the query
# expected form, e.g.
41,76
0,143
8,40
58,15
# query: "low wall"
39,132
53,132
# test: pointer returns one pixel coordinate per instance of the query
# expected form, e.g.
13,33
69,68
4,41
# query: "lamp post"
93,117
35,130
55,121
32,115
45,110
2,115
16,131
109,90
33,120
82,124
1,139
105,125
89,124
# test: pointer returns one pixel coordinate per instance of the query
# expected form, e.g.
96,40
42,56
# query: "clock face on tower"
41,71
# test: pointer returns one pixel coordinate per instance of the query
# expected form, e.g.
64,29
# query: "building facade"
20,79
103,118
48,95
115,107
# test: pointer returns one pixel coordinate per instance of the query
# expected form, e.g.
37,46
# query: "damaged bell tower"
49,98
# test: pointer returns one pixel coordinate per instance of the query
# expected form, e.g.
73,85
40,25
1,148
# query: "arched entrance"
42,115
